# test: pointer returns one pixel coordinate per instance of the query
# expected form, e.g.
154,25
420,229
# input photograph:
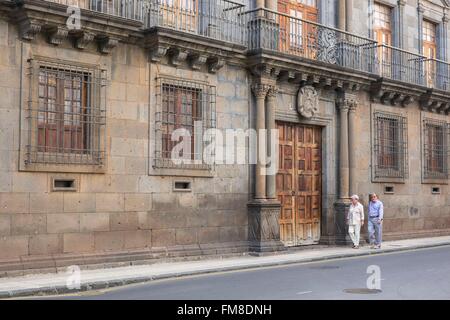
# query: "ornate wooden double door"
299,183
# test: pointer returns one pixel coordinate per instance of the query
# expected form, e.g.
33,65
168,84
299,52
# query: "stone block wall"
126,207
411,208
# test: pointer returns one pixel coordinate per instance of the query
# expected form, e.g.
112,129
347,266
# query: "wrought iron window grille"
390,146
436,156
65,113
185,105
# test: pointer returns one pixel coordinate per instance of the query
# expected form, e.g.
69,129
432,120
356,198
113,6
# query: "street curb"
102,284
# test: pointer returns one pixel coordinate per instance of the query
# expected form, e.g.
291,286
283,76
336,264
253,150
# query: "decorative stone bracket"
303,78
29,29
106,44
176,56
82,39
156,53
56,34
435,103
394,96
197,60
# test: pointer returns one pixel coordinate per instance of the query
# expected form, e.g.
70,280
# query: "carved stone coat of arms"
307,102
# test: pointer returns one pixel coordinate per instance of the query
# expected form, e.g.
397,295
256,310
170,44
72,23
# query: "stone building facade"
358,90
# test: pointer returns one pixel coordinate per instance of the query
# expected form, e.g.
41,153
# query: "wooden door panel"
299,183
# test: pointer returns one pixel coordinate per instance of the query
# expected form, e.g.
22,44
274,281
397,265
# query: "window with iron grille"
390,146
436,139
186,105
66,114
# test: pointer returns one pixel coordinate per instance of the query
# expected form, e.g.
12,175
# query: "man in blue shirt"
375,224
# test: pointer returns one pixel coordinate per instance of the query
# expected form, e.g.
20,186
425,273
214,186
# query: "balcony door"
429,50
298,37
382,32
180,14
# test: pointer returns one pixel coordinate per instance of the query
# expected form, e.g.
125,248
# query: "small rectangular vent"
436,190
389,190
64,185
183,186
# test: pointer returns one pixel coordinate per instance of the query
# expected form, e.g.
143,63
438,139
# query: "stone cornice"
36,16
395,93
305,72
196,52
435,101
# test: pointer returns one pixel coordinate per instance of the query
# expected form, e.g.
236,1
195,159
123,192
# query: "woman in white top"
355,220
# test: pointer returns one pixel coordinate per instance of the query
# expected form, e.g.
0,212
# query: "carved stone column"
444,53
352,142
343,150
342,24
401,24
420,10
272,5
271,192
260,91
264,213
343,202
349,15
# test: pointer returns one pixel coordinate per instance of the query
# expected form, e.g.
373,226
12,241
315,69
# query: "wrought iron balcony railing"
282,33
438,74
401,65
128,9
218,19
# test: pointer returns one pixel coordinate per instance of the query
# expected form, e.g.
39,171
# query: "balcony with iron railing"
127,9
278,32
263,29
222,20
281,33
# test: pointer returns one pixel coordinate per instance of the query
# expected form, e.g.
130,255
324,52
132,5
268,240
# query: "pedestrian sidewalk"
48,284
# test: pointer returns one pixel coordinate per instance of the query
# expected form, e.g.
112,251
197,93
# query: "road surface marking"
305,292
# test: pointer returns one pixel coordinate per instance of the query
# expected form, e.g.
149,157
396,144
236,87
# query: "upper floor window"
65,114
382,24
435,136
305,9
179,14
429,39
188,106
390,146
299,35
430,51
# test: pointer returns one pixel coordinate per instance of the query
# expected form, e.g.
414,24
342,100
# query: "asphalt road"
419,274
